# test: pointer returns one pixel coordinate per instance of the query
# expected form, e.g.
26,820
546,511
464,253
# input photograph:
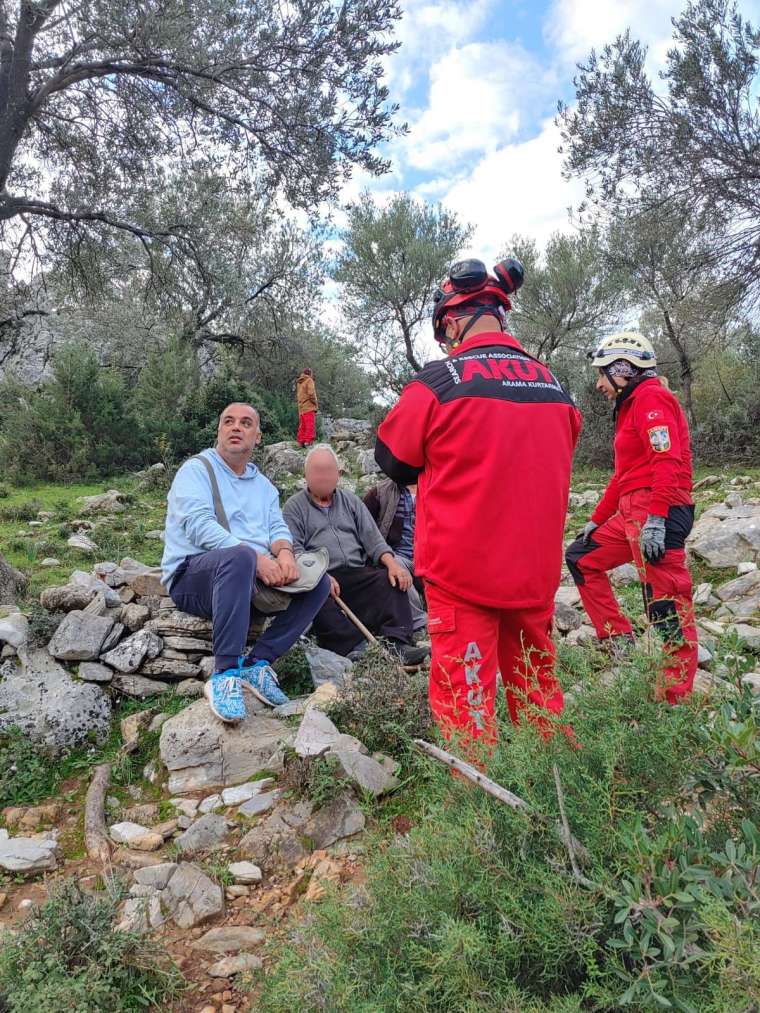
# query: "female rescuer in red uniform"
488,434
645,514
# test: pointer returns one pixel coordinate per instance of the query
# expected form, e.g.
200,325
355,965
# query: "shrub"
382,705
67,956
477,907
28,773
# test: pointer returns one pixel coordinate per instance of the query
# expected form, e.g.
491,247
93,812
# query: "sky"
478,83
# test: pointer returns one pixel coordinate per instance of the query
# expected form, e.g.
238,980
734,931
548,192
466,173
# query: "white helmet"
628,345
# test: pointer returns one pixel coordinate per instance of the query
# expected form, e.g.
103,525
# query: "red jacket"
488,434
652,450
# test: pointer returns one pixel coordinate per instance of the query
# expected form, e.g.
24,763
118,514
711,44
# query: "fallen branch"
95,833
567,837
472,774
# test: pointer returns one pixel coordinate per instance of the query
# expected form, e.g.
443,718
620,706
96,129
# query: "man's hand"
653,538
398,575
334,586
268,571
288,565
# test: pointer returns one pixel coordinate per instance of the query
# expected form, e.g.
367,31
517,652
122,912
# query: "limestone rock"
204,835
27,855
365,772
340,818
135,616
14,629
111,502
80,637
259,804
229,939
132,725
202,752
240,793
189,687
278,837
326,666
156,876
127,656
169,668
92,583
82,543
66,598
624,574
566,617
134,836
210,803
228,967
137,686
568,594
50,562
282,459
51,707
180,624
752,679
739,587
316,734
749,636
352,430
188,644
702,594
245,872
93,671
190,897
728,541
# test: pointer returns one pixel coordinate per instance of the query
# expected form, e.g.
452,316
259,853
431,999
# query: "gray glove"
653,538
588,530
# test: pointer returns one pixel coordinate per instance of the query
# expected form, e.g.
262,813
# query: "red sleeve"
400,446
608,504
576,423
656,421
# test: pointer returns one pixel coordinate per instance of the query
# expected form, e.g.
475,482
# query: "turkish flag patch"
659,438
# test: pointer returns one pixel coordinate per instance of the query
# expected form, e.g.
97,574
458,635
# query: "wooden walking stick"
356,621
369,636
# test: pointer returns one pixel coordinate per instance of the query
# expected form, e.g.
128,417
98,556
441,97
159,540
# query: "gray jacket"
346,529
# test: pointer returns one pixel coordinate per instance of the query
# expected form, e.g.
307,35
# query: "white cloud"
574,27
426,30
480,95
518,188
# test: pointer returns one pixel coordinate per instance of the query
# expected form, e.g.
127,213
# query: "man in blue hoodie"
211,570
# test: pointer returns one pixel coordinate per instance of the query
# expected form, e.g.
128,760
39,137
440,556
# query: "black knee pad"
575,552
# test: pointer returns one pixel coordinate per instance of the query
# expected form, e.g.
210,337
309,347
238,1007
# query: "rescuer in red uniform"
645,514
488,435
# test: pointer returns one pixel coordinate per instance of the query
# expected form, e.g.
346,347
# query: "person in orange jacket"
306,396
488,435
645,513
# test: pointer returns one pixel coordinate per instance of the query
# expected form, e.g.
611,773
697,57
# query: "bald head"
237,435
321,471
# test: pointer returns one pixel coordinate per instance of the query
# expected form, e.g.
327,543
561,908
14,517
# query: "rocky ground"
215,840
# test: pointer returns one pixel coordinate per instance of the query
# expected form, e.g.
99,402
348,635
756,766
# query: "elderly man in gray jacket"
363,569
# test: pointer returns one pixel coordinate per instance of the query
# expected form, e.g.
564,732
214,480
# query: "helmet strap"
618,388
480,312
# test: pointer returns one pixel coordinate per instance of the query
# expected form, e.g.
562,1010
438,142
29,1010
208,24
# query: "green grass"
121,537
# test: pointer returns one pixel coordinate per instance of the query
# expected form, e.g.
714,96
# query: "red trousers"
666,585
470,645
307,428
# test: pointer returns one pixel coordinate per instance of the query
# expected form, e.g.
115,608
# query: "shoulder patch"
659,439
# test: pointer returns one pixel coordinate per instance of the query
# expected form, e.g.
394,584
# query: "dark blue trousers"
219,585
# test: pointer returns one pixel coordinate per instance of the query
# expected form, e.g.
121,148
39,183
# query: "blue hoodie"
251,502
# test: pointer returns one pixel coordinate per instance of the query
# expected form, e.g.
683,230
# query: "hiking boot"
409,654
261,680
224,693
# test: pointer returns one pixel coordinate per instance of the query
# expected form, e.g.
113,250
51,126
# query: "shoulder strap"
221,516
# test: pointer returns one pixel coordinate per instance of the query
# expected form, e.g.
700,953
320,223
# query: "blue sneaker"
224,693
261,679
